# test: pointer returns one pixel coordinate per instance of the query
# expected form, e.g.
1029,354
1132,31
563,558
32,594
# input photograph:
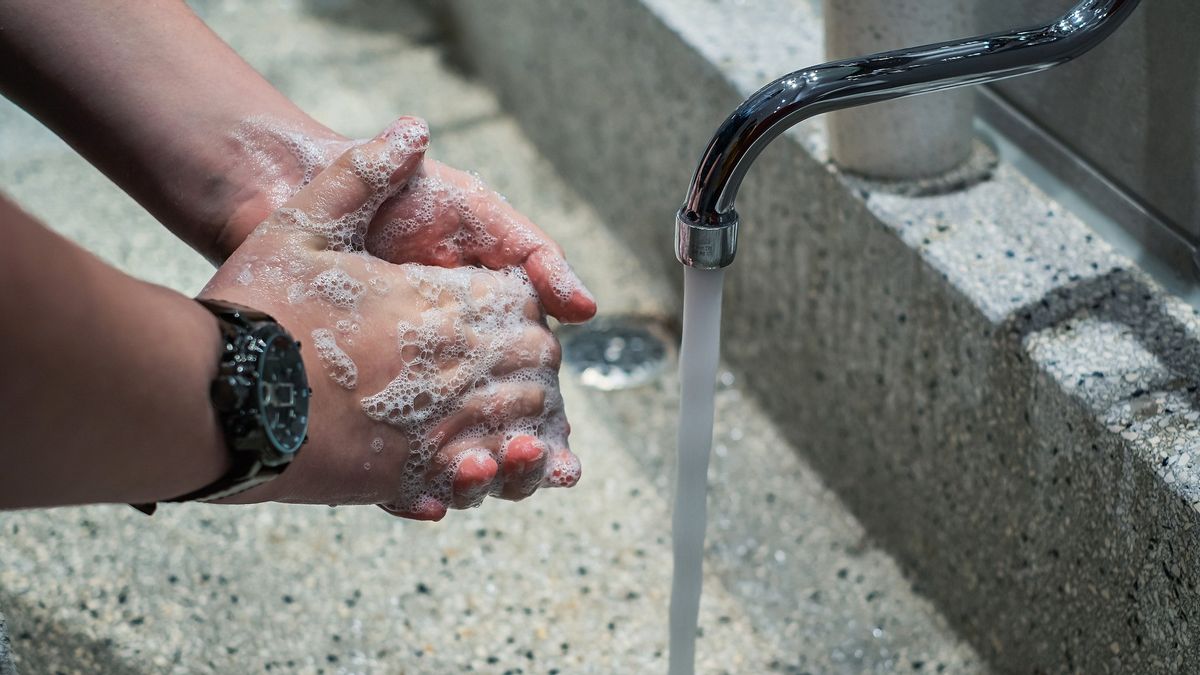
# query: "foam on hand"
476,321
454,223
338,364
431,204
465,363
337,288
283,157
564,282
463,212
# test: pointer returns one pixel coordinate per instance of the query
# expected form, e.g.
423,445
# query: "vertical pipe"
912,138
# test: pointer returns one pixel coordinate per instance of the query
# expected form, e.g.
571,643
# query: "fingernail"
431,509
407,136
563,470
425,508
475,473
569,287
580,288
523,452
583,296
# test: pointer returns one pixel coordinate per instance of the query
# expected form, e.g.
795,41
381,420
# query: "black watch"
261,396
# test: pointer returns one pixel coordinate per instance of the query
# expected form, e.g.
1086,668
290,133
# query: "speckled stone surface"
568,582
805,572
1005,402
6,664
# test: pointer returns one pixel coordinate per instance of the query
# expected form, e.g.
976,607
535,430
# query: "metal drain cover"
616,352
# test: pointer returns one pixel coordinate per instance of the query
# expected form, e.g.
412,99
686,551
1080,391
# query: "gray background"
1131,107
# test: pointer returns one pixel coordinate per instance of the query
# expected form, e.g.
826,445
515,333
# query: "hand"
442,217
432,387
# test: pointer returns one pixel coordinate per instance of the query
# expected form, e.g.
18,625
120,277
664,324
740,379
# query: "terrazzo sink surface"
568,582
1001,391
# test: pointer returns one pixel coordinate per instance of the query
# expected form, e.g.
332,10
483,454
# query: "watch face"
283,392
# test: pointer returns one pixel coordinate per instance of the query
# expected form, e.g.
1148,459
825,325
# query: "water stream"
698,358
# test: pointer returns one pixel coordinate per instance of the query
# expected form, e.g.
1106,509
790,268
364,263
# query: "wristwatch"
261,397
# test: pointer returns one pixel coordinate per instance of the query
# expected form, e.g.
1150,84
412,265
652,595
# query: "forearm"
149,95
106,379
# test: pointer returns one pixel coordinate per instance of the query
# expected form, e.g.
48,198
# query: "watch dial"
283,392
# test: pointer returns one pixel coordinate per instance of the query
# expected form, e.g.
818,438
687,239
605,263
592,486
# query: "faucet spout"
707,224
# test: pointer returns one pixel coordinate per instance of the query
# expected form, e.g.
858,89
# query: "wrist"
264,161
208,458
260,396
185,448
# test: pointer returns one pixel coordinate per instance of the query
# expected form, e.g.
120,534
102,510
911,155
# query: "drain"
616,352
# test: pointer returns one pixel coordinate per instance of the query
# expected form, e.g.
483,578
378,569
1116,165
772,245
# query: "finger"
518,242
563,469
561,291
473,477
419,224
536,348
484,290
492,409
534,311
524,467
451,219
468,466
343,198
425,507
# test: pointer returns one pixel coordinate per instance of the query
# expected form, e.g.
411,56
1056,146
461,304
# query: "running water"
698,374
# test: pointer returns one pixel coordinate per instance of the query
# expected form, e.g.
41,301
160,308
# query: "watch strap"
247,471
235,481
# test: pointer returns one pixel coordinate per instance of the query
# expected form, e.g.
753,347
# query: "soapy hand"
442,216
432,387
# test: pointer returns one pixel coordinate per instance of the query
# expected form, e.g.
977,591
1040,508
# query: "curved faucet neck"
853,82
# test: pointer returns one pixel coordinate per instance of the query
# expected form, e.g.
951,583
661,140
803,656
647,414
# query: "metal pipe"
706,226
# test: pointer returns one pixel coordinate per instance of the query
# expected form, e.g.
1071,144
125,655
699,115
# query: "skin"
146,92
161,105
458,204
156,389
330,468
80,429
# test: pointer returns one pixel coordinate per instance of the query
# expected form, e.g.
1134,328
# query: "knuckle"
551,350
533,311
534,400
476,407
549,247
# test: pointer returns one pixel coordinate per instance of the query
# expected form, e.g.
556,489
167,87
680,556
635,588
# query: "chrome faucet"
706,227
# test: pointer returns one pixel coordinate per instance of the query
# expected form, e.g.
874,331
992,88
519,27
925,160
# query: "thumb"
341,200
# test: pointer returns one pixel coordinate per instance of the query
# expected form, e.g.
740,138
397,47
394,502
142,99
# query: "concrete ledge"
570,581
1005,402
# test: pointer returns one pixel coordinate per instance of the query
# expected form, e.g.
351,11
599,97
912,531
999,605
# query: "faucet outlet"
706,246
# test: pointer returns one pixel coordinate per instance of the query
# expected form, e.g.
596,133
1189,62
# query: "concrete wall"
1131,107
1003,401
